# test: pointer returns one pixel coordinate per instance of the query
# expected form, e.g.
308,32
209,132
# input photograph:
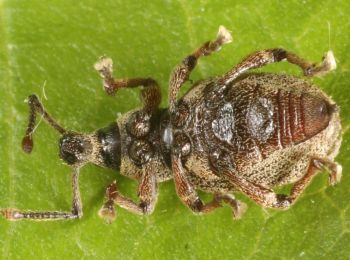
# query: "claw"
105,67
107,212
329,61
104,64
335,175
10,213
224,36
239,210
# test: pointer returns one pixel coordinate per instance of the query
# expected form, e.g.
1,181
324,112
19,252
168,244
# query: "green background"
57,42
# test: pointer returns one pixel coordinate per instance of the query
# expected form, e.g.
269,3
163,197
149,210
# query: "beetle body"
260,126
136,151
257,128
239,132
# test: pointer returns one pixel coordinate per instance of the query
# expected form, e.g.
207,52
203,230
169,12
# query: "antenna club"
27,144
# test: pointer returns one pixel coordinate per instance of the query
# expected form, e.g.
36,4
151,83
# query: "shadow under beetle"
239,132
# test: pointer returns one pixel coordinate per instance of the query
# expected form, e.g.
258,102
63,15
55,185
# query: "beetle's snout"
75,148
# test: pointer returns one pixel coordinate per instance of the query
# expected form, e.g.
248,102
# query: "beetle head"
75,149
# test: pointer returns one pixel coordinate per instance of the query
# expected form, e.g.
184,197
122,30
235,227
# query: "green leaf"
50,46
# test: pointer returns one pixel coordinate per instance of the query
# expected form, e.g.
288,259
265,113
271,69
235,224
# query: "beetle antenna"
35,107
43,95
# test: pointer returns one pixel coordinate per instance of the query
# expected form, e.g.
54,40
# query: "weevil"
239,132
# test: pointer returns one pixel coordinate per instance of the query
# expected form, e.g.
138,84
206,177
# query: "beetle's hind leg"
316,164
264,57
150,92
268,198
147,193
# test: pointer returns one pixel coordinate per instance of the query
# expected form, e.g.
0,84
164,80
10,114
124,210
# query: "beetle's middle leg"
190,198
147,192
150,93
264,57
182,72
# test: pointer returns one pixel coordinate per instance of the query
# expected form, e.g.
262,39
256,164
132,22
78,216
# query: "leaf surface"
49,48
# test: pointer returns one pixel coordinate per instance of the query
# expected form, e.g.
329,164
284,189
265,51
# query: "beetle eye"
68,157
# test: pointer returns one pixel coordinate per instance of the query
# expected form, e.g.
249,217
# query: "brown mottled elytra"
239,132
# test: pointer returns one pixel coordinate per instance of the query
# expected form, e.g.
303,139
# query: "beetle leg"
77,212
264,57
147,192
316,164
150,93
186,191
334,169
181,73
267,198
238,207
190,198
261,195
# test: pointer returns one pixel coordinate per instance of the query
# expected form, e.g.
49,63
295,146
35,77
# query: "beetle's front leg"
182,72
147,192
150,92
77,212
